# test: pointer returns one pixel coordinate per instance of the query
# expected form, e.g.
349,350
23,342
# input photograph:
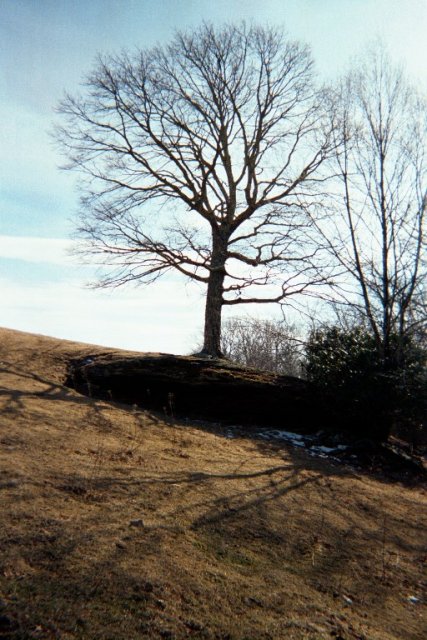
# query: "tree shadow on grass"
231,514
13,397
249,530
51,390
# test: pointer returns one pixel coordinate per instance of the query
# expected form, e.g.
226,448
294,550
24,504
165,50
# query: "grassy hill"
117,523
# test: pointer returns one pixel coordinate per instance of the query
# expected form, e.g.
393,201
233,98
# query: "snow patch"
308,442
296,439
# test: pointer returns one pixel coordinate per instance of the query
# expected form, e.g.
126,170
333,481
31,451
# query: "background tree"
380,202
273,345
373,364
203,156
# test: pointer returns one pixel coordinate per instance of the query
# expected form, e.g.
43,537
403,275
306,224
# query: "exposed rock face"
199,388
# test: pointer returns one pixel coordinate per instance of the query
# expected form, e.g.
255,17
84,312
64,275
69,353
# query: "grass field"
118,524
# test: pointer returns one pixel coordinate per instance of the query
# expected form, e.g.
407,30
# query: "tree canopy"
203,156
217,156
380,202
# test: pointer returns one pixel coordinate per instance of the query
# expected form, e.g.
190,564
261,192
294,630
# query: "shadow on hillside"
12,398
209,392
262,521
247,495
285,519
288,510
381,462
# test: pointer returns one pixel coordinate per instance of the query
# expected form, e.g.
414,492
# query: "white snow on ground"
306,441
322,449
299,440
296,439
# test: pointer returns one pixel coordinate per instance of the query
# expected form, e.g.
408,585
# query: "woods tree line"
219,156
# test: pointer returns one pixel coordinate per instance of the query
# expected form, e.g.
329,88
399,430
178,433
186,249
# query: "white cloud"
39,250
163,317
166,316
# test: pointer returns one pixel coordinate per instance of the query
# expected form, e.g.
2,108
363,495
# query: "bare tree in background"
272,345
203,157
380,206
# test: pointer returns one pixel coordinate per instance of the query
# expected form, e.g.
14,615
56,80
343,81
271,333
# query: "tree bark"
214,297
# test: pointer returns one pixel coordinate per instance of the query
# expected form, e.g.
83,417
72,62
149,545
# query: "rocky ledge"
219,391
195,387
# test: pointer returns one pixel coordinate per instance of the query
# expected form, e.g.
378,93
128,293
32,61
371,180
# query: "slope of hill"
118,523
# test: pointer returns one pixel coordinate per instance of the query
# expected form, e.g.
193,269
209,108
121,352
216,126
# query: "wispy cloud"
55,251
163,317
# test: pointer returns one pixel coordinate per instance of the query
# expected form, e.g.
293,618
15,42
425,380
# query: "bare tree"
272,345
202,156
381,201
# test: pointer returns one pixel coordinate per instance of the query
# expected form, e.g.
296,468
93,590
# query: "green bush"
368,393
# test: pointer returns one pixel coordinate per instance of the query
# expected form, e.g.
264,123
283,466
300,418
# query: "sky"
47,47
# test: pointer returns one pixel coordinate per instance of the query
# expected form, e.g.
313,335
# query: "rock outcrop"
195,387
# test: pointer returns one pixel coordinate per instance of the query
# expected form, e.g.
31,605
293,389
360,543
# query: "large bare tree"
381,201
203,156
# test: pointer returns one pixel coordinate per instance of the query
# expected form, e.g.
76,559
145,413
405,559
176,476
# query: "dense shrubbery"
363,391
369,393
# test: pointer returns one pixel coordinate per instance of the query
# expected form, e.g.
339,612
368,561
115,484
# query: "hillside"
120,523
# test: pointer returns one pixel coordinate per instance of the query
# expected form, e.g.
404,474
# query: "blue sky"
46,47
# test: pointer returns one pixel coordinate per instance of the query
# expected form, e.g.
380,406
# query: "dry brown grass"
238,539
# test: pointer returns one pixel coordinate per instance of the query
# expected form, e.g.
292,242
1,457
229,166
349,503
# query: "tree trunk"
212,332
